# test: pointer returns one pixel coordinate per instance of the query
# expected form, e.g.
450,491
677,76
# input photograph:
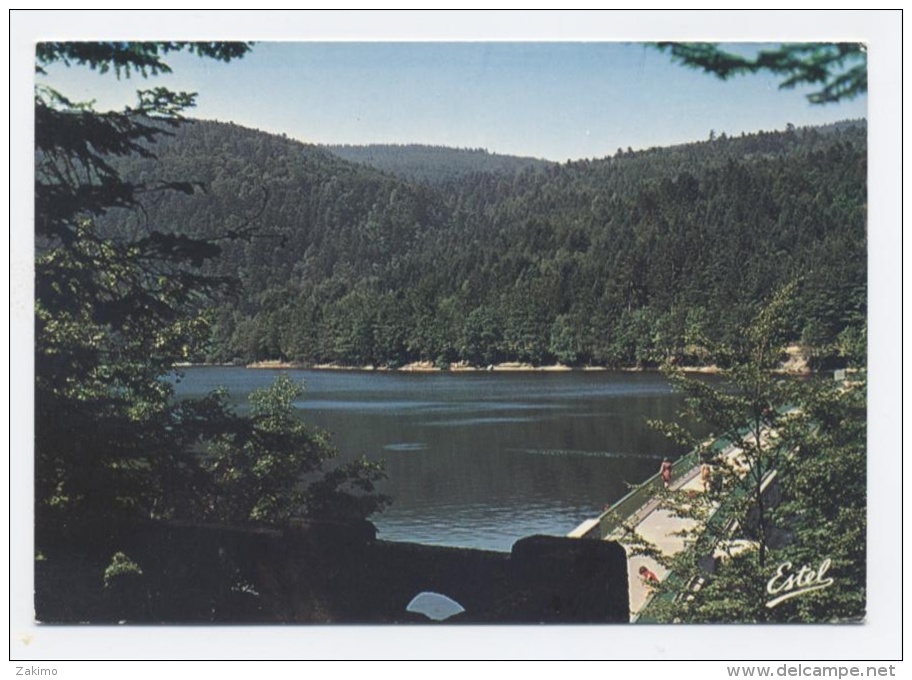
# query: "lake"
481,459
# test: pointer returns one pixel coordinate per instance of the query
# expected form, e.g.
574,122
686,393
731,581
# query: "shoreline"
796,364
506,367
420,367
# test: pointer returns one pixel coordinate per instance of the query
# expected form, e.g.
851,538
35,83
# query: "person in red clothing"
647,575
666,472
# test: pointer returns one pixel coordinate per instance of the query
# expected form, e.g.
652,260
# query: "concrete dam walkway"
642,515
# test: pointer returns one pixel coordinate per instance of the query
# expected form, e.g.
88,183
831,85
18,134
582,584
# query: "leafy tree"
268,466
481,337
565,346
839,69
824,488
792,489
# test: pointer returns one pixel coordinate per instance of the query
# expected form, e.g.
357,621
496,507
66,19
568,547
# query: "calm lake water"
481,459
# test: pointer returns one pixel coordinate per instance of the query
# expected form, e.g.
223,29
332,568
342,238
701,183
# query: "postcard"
463,335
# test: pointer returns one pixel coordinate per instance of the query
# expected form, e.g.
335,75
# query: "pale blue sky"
555,100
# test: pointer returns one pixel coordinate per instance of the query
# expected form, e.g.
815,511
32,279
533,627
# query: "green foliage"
824,498
121,570
620,261
794,494
269,467
113,311
123,294
128,58
839,69
108,329
853,345
432,164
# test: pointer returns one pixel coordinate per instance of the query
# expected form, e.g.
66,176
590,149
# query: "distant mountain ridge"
430,163
619,261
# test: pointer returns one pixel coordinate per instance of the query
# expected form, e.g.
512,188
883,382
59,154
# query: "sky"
555,100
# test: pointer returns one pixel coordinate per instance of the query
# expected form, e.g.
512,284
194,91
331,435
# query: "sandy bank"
420,367
465,367
515,366
711,369
791,367
274,363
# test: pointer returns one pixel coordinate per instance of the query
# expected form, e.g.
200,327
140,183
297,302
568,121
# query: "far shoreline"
506,367
796,365
423,367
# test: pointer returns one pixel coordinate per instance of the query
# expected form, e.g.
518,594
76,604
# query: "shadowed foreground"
326,573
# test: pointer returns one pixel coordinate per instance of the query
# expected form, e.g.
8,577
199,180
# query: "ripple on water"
405,446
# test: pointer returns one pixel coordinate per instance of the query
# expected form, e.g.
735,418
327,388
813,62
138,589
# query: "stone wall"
328,573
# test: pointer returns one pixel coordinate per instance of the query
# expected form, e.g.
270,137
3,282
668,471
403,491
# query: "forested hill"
432,164
626,260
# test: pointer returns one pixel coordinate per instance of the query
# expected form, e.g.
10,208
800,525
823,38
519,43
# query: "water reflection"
480,460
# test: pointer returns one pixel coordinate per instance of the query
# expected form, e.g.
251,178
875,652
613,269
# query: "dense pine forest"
466,256
432,164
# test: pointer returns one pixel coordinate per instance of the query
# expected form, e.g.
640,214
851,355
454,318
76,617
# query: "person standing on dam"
666,472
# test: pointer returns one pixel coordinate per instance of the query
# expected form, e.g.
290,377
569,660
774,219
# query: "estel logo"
794,584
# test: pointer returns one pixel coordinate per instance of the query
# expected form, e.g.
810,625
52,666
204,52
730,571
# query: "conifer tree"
116,308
